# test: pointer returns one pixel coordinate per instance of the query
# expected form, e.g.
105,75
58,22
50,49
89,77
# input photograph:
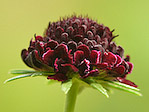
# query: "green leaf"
22,71
124,85
18,77
66,86
121,87
36,74
44,73
100,88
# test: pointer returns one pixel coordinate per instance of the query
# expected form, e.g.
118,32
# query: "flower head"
78,46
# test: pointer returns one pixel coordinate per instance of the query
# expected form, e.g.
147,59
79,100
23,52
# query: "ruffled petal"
84,67
48,57
78,57
38,38
130,67
94,56
58,76
75,69
61,51
92,73
85,49
125,81
102,66
119,60
24,55
119,70
52,44
110,58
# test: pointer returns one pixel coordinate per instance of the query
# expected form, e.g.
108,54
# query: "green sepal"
30,74
18,77
15,72
66,86
18,72
100,88
123,87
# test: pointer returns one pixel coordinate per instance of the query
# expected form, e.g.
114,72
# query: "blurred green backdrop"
21,19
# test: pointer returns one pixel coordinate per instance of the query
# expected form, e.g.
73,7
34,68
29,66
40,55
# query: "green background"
21,19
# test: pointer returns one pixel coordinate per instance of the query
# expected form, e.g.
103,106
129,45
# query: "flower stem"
71,97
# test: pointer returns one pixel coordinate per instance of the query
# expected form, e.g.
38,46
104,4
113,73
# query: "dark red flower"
78,45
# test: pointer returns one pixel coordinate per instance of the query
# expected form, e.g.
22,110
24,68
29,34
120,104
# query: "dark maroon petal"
58,76
120,51
85,40
24,55
105,43
56,65
82,29
52,44
84,67
125,81
125,64
113,47
78,38
48,57
36,62
37,56
90,35
102,66
119,60
32,43
120,69
90,43
39,47
110,58
72,45
31,48
94,56
130,67
127,58
61,51
64,37
59,31
72,67
97,38
70,30
78,57
39,38
85,49
92,73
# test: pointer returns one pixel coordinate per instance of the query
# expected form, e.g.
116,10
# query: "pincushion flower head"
78,52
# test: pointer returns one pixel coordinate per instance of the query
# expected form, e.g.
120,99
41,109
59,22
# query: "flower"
77,45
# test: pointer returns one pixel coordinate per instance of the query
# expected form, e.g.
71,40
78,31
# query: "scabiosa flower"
79,48
79,45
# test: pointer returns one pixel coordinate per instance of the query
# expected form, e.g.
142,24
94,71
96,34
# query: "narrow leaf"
124,85
22,71
18,77
66,86
125,89
100,88
46,73
36,74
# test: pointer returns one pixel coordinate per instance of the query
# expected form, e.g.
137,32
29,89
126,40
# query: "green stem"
71,97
